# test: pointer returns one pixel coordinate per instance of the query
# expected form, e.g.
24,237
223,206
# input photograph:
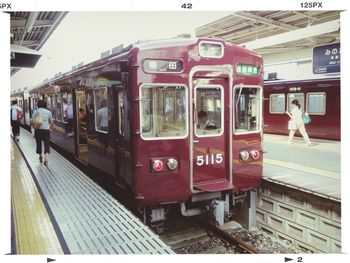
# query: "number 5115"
210,159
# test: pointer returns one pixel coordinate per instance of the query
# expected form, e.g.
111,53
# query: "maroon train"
319,97
133,115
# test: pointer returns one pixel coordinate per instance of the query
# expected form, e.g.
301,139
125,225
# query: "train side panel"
320,98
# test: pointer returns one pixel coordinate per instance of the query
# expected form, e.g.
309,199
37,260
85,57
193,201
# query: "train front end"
198,129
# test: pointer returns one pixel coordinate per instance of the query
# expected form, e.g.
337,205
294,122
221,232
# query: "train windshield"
209,101
163,111
247,110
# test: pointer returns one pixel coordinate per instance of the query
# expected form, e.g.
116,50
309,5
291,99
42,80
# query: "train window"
209,111
247,109
53,106
101,109
64,107
26,112
69,108
316,103
32,104
121,112
48,101
295,96
163,111
58,108
277,103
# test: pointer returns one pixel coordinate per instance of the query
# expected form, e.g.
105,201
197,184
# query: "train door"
81,121
210,141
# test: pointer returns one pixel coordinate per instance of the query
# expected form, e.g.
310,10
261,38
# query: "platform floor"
32,227
314,169
86,219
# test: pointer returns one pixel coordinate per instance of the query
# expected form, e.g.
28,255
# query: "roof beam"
312,19
38,23
266,21
29,25
294,35
279,49
26,43
244,32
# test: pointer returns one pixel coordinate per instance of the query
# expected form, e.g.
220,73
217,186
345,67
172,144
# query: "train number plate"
210,159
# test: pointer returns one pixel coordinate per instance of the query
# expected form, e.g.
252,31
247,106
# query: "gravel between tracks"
259,240
265,243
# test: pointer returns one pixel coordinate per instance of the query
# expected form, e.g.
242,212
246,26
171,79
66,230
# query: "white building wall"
292,65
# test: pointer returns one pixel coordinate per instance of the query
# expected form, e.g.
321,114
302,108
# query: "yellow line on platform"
303,168
34,232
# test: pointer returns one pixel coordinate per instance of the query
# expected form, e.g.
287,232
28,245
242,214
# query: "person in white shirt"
16,116
297,123
102,116
42,134
102,123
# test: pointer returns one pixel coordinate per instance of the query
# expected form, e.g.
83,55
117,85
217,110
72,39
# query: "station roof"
244,27
29,32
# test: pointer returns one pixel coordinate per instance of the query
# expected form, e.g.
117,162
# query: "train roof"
139,45
279,81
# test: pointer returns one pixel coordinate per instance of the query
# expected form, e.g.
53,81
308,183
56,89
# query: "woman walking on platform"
296,123
42,133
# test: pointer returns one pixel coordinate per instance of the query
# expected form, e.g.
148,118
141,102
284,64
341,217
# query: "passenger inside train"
204,122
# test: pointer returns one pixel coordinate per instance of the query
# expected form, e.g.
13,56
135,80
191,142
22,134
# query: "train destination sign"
248,70
326,59
158,65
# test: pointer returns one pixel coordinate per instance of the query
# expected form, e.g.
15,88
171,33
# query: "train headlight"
255,154
157,165
172,163
211,49
244,155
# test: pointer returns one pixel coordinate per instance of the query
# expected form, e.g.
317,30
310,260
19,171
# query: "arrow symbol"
287,259
50,260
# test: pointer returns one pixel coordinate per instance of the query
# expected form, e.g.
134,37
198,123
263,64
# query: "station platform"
314,169
57,209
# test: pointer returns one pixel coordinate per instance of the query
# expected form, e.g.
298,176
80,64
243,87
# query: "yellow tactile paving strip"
34,232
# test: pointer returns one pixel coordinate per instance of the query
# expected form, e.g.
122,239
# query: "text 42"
210,159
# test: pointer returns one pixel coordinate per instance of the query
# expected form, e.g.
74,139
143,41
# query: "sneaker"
309,144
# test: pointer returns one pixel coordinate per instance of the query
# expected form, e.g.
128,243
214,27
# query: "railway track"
198,236
238,244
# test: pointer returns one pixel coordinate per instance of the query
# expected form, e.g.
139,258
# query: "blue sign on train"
326,59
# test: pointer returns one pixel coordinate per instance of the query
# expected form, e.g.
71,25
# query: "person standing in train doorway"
43,132
102,124
16,116
296,123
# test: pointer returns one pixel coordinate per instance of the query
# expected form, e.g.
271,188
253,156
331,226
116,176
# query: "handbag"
292,125
37,121
306,118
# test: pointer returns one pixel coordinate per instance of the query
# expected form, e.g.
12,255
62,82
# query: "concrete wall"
310,222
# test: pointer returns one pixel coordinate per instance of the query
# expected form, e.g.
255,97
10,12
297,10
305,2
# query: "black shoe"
41,159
